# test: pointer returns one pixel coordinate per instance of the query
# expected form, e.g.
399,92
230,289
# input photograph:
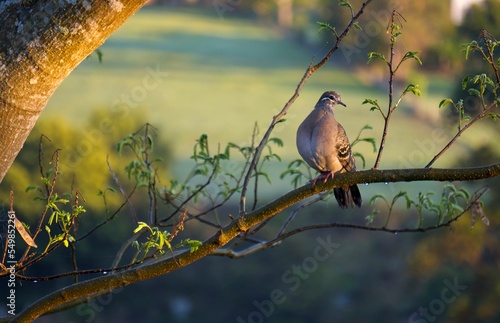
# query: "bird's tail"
348,196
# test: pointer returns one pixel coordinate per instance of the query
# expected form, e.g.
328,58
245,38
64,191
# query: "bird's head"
330,98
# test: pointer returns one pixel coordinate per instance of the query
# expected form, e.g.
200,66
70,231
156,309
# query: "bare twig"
296,211
391,29
40,156
124,247
193,194
459,133
109,218
153,207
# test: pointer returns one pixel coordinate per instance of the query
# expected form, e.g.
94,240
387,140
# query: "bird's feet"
322,176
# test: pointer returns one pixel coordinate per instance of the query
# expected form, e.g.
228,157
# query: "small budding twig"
393,29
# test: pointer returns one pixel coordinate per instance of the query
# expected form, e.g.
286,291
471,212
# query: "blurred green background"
219,67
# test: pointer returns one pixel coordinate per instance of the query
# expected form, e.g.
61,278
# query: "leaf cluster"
452,203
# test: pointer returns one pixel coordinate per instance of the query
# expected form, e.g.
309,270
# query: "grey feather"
323,144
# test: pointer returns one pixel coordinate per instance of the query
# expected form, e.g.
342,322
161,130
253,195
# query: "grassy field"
220,76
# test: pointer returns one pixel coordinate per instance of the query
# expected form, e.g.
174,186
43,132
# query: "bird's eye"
331,97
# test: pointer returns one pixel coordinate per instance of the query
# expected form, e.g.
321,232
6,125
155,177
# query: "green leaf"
289,172
494,116
412,54
31,188
413,88
356,154
344,3
324,25
357,26
99,55
377,197
470,47
474,92
465,81
467,50
135,244
445,102
266,176
161,241
277,141
399,195
45,180
372,102
193,244
375,55
371,141
142,225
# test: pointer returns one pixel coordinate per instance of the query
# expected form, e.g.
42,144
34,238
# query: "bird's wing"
344,153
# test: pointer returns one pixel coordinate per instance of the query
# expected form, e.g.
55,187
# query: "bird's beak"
342,103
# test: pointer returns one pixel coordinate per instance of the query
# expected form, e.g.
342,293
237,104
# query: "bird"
323,144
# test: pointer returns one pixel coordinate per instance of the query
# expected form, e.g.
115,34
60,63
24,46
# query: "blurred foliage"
84,152
480,16
465,252
429,22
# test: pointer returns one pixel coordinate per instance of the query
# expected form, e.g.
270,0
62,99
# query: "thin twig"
193,194
108,218
122,190
153,209
296,211
459,133
124,247
392,72
40,156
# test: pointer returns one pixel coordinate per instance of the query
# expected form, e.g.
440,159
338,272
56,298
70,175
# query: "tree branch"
37,56
241,224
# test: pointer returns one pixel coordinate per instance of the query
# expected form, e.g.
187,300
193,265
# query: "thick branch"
241,224
40,44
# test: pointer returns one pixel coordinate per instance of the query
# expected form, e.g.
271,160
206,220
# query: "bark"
41,42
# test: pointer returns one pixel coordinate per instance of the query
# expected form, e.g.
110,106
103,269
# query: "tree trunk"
41,42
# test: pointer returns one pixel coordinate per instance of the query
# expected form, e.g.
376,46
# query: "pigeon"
323,144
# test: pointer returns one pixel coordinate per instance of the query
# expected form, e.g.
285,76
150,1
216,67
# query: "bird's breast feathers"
315,142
